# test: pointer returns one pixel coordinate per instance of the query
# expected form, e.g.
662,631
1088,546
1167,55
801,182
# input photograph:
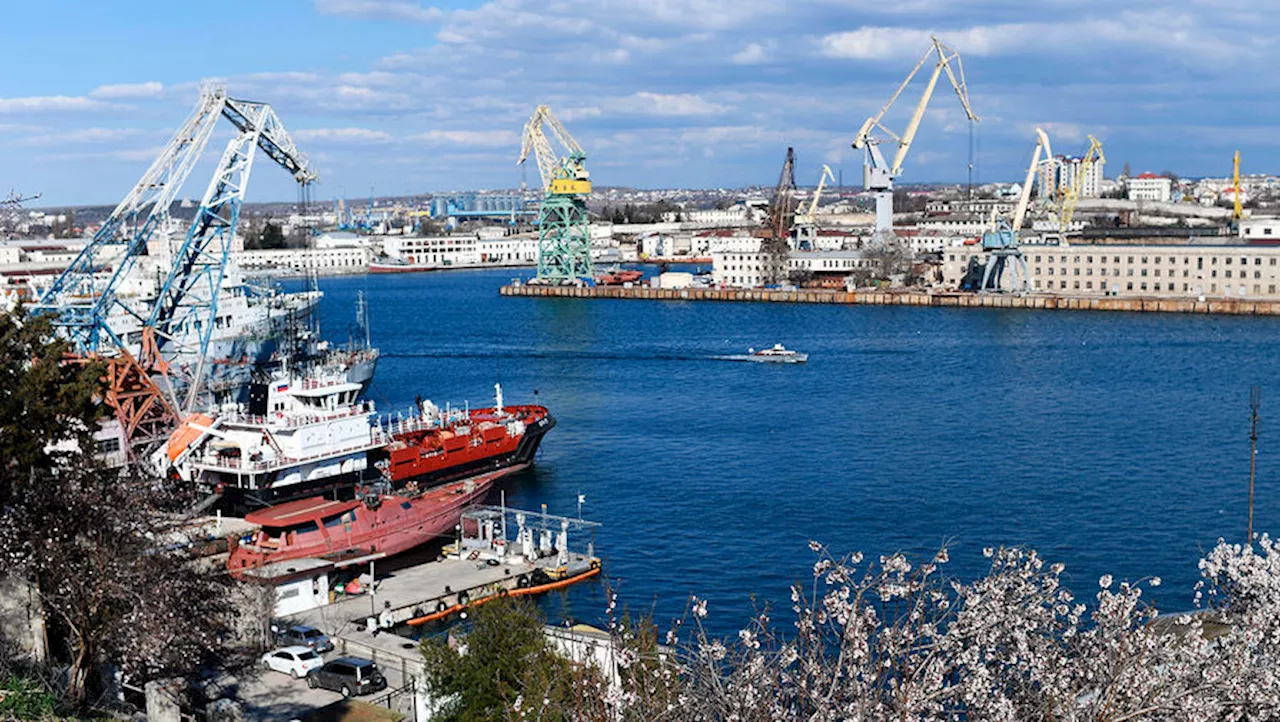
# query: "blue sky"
410,97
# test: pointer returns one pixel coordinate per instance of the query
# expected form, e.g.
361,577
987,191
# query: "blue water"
1115,443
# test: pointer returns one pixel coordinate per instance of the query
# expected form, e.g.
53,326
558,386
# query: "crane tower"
85,300
564,239
878,175
1001,243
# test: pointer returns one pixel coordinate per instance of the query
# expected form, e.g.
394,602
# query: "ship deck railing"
215,462
294,420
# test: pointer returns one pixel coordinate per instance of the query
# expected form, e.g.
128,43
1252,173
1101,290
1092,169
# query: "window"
1129,285
1129,272
1088,284
1228,272
1144,271
1257,261
1090,259
1157,271
1228,261
1144,259
1271,289
1144,286
1257,274
1199,263
109,446
1077,285
1077,271
1214,273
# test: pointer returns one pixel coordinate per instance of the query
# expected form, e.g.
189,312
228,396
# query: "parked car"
304,636
348,675
297,661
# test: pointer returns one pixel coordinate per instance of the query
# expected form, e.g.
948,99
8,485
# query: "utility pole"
1255,399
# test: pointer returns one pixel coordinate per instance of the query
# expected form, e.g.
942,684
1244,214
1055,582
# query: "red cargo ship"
437,446
386,523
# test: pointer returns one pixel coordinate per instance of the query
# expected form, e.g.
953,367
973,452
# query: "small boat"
778,354
618,277
400,265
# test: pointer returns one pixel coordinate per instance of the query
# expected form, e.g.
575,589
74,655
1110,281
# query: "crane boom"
81,297
1072,195
1042,144
878,176
808,216
564,240
1235,186
188,303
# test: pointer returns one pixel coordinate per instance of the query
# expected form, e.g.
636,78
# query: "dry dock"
1228,306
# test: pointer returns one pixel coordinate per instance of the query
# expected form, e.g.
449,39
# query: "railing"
293,419
233,463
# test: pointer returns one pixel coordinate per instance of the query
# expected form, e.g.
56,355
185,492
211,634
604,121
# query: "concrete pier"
1227,306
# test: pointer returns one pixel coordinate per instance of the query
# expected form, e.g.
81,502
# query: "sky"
400,96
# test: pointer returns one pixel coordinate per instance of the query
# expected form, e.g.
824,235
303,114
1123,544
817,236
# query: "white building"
302,260
1057,174
737,261
1150,187
1141,270
1260,229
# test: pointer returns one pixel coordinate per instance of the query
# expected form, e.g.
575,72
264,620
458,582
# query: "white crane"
878,176
806,222
1001,243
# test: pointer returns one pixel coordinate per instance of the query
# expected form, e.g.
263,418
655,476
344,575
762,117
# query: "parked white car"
296,661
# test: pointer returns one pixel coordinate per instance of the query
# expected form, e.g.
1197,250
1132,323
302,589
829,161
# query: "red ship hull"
319,528
485,441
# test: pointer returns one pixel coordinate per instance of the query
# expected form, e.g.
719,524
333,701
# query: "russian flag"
282,387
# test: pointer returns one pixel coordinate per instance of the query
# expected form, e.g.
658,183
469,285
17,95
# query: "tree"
43,399
272,236
87,539
506,654
1128,170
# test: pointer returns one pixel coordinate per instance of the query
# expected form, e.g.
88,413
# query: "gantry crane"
85,296
806,222
564,240
1071,196
1001,243
878,176
776,245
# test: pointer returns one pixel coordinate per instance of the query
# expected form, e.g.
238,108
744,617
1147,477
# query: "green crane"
564,240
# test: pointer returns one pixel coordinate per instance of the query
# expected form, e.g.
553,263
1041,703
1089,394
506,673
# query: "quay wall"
1227,306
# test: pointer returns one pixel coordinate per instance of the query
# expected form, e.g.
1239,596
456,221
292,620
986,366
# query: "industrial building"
1220,271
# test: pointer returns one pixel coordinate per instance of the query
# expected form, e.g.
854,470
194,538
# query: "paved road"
268,696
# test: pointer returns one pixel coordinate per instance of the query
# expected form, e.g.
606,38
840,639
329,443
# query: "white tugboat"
296,436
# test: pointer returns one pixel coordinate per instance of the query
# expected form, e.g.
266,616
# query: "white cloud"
128,91
647,103
475,138
49,104
753,54
380,10
81,135
1160,30
343,135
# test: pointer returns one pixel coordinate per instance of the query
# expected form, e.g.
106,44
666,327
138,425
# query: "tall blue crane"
83,298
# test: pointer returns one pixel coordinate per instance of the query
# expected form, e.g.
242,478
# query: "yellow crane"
877,175
1235,186
1072,194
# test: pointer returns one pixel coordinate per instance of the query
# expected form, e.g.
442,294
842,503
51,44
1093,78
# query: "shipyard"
518,362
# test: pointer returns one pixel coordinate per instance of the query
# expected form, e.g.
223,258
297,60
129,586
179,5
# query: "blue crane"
83,299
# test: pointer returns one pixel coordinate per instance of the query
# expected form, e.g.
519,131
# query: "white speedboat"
778,354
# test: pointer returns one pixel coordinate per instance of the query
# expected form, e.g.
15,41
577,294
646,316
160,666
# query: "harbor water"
1116,443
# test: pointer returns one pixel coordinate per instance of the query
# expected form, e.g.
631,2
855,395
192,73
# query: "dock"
483,563
939,299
